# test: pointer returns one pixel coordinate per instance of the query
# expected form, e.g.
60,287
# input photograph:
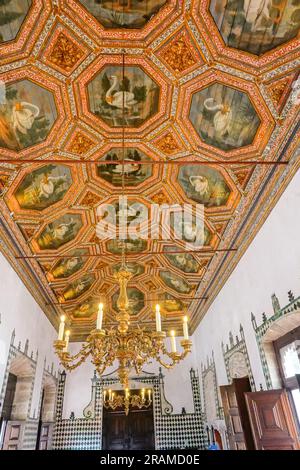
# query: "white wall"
271,264
20,311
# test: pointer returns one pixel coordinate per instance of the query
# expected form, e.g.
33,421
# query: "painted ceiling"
205,80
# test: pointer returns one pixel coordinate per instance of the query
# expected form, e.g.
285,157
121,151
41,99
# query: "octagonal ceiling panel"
27,116
224,117
12,14
134,21
185,262
101,89
204,185
77,288
58,232
256,26
109,90
86,309
135,172
175,282
251,35
131,14
191,96
136,269
66,267
227,114
43,187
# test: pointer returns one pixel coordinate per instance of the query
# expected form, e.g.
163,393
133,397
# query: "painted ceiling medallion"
59,232
65,54
224,117
77,288
43,187
135,173
136,300
256,26
127,14
109,89
204,185
27,114
66,267
12,14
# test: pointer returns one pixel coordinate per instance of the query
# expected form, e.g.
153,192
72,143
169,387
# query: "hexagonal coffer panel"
256,26
125,14
109,92
224,117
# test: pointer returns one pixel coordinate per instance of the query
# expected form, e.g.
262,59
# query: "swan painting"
27,113
123,98
205,185
133,14
256,26
43,187
119,98
134,172
59,232
224,117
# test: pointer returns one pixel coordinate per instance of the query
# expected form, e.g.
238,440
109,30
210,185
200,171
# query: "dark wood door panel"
135,431
272,420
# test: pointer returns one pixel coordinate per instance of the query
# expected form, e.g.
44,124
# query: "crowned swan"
222,118
120,98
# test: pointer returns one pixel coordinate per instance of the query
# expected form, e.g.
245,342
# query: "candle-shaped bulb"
143,393
100,317
185,327
104,395
61,328
109,394
149,394
158,318
67,337
173,341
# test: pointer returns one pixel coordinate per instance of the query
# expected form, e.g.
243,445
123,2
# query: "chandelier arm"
72,362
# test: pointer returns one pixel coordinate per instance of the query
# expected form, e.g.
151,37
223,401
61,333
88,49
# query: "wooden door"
13,435
272,420
236,415
45,436
134,431
141,432
115,431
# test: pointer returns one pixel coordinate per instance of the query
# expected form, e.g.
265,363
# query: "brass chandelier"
114,400
132,348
